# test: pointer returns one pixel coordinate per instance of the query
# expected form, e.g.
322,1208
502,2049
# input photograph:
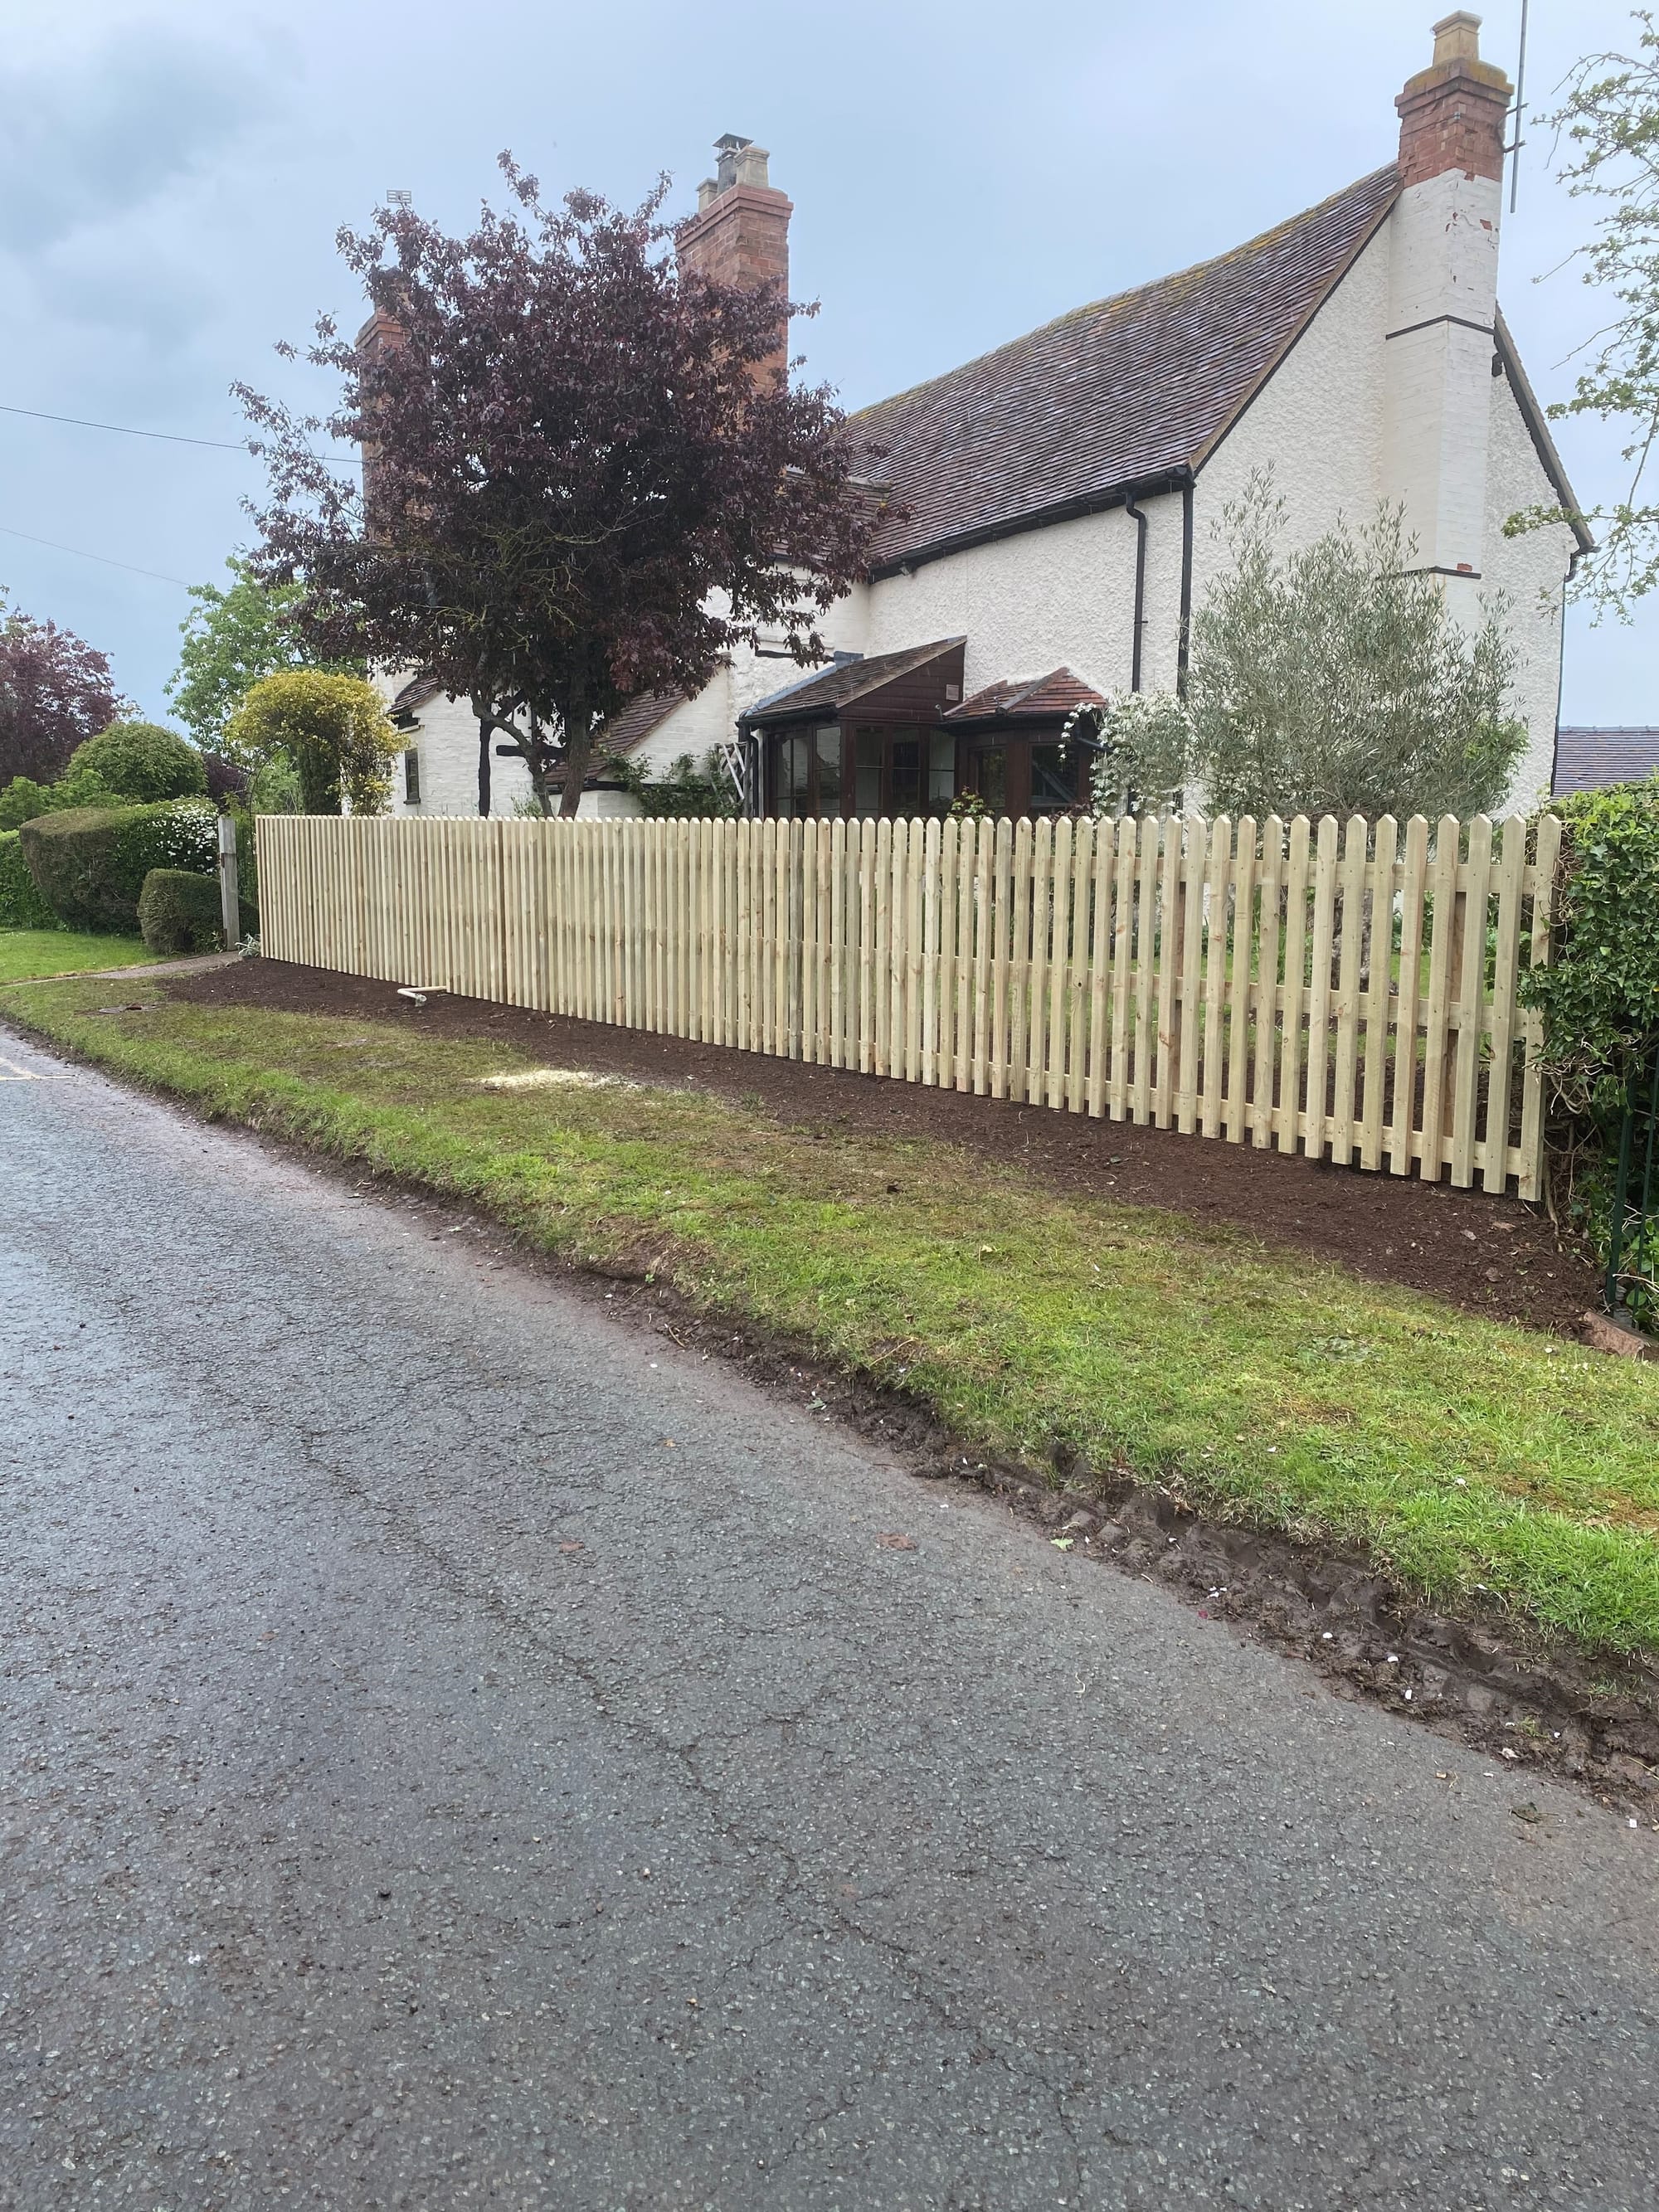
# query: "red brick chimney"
740,231
1452,113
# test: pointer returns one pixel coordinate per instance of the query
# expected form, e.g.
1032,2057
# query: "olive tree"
1332,678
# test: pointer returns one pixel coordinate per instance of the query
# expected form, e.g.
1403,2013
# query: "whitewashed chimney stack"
1442,305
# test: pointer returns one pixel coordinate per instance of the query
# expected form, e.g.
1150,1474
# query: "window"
942,770
411,777
803,773
1053,780
906,773
790,771
991,779
866,794
827,746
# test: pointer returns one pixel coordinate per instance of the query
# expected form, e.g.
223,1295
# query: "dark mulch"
1488,1255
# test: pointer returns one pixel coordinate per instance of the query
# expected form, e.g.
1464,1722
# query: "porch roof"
855,682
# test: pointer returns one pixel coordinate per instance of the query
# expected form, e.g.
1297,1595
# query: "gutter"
1042,517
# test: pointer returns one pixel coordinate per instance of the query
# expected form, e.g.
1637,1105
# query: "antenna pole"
1520,110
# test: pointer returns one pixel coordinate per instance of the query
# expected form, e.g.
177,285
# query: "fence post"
230,905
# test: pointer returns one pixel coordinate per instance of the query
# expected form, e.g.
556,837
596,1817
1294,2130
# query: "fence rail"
1329,988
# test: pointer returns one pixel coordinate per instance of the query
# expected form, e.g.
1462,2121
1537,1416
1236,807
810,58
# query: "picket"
1199,975
1289,997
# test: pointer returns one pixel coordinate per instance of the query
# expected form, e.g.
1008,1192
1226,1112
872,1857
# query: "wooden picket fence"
1332,989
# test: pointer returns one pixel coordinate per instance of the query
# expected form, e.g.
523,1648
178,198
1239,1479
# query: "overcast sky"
171,177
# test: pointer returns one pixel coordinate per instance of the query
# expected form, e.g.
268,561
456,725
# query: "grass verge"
1477,1459
26,952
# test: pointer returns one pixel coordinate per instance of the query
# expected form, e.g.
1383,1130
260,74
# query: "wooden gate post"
230,908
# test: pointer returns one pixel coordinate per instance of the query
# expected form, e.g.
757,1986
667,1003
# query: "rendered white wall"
1063,597
1316,424
1531,573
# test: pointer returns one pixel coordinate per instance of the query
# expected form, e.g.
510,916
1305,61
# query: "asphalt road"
461,1751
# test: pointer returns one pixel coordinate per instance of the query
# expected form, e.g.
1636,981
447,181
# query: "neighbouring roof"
1589,759
416,693
1128,393
1035,699
626,730
637,719
851,678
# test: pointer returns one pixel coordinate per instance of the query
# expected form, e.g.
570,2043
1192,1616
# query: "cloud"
92,137
150,297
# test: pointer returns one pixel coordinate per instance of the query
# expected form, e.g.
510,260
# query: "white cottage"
1058,495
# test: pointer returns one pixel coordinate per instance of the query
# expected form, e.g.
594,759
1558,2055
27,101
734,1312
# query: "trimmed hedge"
90,862
179,912
21,906
141,761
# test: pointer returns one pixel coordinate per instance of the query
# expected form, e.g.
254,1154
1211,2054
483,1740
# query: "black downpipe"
1138,519
1184,645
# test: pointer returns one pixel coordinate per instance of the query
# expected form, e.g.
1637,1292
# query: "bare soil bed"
1488,1255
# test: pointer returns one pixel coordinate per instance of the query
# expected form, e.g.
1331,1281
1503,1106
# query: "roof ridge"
1134,292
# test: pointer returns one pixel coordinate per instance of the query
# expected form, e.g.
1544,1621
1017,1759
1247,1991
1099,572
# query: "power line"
81,553
169,437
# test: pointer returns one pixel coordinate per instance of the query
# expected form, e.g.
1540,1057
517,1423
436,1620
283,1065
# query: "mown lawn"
25,952
1476,1457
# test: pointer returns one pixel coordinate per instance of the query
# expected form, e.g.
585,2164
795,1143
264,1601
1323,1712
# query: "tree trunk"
577,750
535,755
486,730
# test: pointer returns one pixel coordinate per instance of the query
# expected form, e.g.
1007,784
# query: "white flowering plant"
1144,760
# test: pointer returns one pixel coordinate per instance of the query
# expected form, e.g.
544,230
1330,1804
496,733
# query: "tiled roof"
629,728
1539,430
850,679
1037,698
1124,394
416,693
1589,759
637,719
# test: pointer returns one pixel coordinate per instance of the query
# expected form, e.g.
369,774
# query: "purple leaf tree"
55,690
586,475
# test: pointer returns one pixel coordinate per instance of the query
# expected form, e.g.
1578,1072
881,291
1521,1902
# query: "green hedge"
179,912
141,761
21,906
90,862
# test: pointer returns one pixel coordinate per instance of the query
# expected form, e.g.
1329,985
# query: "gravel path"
461,1752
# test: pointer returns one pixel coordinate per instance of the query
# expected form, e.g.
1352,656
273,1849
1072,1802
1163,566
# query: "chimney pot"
1457,38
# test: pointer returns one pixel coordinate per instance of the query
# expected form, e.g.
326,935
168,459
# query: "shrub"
1598,1000
179,912
90,862
1146,758
684,791
1599,997
225,779
333,730
21,906
141,761
1332,678
23,798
